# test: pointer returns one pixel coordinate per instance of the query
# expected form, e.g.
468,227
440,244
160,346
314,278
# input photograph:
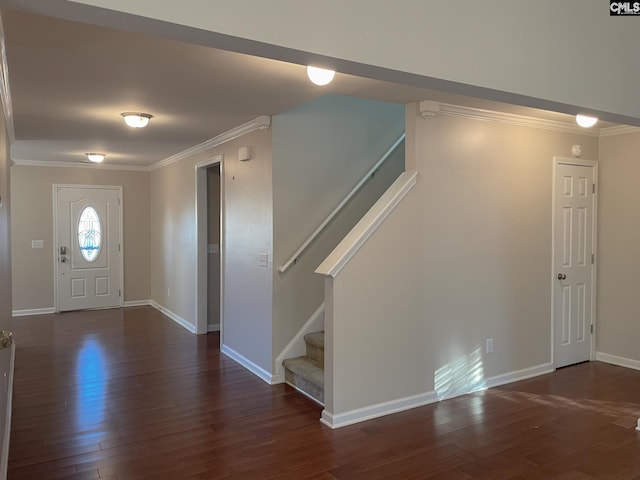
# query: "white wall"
557,55
32,196
618,303
465,257
321,150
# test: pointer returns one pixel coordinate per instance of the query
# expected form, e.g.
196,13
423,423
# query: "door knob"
562,276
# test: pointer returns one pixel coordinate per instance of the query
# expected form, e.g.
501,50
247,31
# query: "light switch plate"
37,243
263,259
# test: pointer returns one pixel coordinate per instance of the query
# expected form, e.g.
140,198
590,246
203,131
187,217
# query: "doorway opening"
210,245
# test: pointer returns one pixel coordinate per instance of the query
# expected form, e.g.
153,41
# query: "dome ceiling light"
95,157
136,119
585,121
320,76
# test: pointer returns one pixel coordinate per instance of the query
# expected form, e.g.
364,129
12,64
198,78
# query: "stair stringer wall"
321,150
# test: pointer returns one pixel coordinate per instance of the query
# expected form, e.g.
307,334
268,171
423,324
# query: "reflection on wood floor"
128,394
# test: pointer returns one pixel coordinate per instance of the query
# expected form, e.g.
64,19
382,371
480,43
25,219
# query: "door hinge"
120,250
593,258
593,188
120,294
592,329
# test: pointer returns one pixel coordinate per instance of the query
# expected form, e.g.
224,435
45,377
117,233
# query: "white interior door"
87,257
573,264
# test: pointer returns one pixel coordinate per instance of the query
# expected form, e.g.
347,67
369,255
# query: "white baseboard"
394,406
616,360
297,347
33,311
137,303
248,364
378,410
176,318
214,327
519,375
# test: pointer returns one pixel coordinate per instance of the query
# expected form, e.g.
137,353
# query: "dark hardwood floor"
128,394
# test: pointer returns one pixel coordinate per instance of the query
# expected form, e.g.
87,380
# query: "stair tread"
315,338
307,368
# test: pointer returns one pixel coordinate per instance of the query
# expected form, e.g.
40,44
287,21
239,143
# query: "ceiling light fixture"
95,157
136,120
585,121
320,76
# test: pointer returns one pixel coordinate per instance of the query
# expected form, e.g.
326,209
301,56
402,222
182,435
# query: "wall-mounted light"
95,157
320,76
136,120
585,121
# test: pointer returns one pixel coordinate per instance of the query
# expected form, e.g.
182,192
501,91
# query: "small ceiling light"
95,157
320,76
585,121
136,120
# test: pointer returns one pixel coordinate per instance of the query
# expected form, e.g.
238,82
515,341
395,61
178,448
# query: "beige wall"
32,199
247,232
321,150
5,229
465,257
618,302
497,54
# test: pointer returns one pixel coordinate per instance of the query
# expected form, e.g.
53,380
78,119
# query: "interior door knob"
562,276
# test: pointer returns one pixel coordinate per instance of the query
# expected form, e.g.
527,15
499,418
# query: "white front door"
573,261
87,256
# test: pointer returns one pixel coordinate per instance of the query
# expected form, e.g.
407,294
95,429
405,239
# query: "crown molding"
5,92
261,123
618,130
98,166
427,111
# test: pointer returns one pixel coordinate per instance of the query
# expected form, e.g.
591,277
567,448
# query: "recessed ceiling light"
136,119
585,121
95,157
320,76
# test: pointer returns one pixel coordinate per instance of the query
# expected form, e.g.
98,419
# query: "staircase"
306,374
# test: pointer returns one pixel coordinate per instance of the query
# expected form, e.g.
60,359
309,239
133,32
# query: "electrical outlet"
489,345
37,243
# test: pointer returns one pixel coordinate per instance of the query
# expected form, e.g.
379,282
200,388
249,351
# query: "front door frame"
56,186
594,238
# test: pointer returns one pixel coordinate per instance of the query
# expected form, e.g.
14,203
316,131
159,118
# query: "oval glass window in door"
89,234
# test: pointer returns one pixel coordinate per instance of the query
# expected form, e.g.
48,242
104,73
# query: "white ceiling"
70,81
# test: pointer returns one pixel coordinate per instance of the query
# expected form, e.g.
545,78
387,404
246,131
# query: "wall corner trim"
262,123
173,316
617,360
248,364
